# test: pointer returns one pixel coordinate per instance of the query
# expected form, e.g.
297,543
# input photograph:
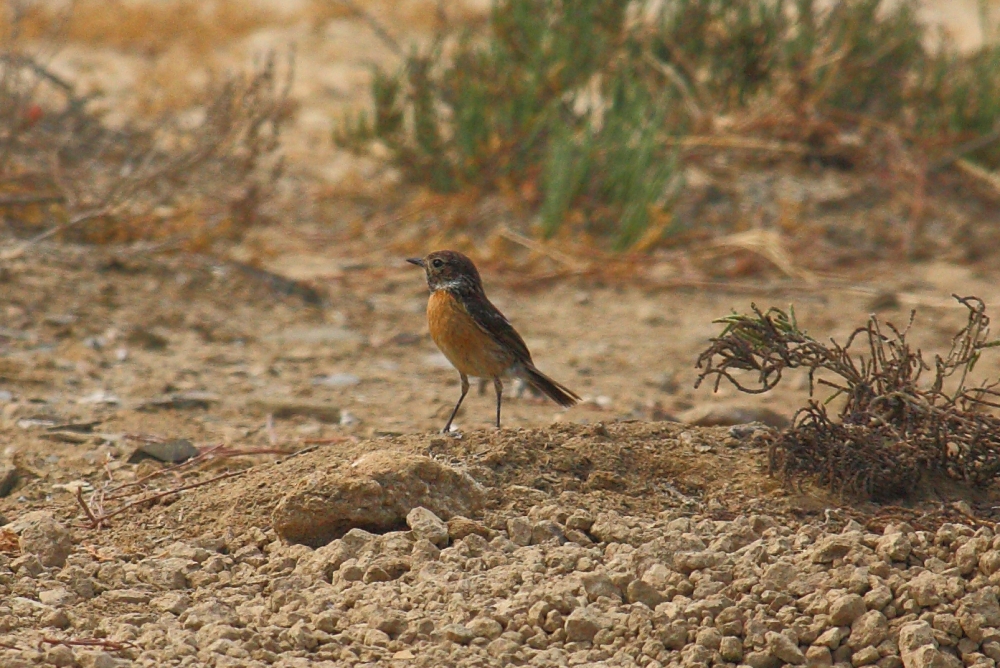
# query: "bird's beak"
419,261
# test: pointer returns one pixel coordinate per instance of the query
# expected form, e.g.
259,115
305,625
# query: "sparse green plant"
584,101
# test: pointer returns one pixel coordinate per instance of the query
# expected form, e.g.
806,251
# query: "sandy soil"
102,350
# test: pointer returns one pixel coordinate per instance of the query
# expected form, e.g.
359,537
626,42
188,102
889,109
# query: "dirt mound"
640,469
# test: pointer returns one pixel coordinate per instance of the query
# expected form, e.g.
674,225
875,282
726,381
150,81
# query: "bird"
472,333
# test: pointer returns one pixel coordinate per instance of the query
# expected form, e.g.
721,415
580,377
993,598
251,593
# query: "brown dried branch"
892,428
104,517
113,645
86,509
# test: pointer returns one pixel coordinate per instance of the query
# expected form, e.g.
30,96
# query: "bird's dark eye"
437,264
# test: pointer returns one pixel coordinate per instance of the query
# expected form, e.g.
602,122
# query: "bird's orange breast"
469,349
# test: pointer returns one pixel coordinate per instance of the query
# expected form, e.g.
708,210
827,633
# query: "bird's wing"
489,319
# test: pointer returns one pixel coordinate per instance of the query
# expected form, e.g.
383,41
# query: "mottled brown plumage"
474,335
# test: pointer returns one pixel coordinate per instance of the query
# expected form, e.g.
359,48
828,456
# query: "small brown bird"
474,335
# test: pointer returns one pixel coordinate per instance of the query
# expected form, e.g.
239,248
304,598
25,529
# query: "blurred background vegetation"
611,127
586,108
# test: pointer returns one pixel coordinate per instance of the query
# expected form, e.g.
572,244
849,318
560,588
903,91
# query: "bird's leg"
498,386
465,390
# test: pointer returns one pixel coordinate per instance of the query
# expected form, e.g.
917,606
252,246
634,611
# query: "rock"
845,609
761,660
709,638
484,627
992,649
878,598
731,649
989,562
925,589
894,547
58,597
519,530
929,656
503,648
425,524
41,535
977,612
713,415
598,584
865,656
458,633
779,576
831,638
171,452
782,647
584,623
818,656
459,527
687,562
913,635
833,547
730,621
696,655
173,602
580,520
60,655
546,531
673,636
868,630
376,638
639,591
170,573
609,528
375,492
967,556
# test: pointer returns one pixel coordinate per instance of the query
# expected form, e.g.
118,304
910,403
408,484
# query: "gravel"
666,591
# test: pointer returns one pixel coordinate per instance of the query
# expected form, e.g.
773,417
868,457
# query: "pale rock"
425,524
894,547
846,608
782,647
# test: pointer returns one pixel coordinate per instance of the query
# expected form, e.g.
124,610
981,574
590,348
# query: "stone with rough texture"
584,623
868,630
914,635
845,609
782,647
425,524
925,589
833,547
818,656
376,492
977,612
639,591
598,584
929,656
41,535
894,547
731,649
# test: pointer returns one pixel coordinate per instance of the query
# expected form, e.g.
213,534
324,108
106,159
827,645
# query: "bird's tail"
558,393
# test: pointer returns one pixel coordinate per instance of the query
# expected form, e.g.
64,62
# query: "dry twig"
893,427
113,645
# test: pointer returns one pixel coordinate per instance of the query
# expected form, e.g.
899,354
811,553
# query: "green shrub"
584,99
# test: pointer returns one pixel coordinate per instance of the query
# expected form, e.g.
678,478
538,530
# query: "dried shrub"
896,424
206,172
